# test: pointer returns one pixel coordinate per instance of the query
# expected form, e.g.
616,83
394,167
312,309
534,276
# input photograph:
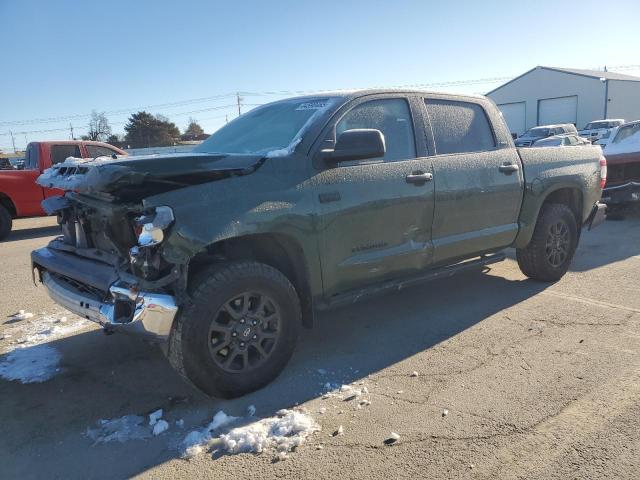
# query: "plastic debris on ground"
393,438
21,315
160,426
154,417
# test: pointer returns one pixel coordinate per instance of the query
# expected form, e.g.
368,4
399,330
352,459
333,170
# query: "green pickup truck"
299,205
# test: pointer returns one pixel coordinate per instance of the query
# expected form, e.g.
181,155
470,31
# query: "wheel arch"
569,195
6,202
277,250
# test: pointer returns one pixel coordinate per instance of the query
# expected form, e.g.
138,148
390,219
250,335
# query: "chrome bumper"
152,315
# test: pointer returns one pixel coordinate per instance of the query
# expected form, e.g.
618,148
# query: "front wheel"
239,330
555,239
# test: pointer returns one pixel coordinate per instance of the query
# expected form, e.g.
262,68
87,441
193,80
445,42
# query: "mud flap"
597,216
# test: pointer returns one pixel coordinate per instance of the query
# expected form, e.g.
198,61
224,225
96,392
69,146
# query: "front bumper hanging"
119,307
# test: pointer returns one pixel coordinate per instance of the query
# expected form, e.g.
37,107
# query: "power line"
117,112
64,129
237,95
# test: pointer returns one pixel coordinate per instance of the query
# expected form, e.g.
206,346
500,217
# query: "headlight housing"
151,227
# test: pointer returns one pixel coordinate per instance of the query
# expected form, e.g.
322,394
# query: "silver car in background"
567,140
600,129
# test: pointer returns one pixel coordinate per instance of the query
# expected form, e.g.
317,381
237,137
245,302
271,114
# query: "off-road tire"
6,223
188,349
533,260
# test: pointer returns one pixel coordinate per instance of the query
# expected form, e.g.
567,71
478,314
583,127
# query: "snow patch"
196,441
128,427
33,364
29,360
281,433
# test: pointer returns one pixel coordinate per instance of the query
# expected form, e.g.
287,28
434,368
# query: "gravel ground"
515,379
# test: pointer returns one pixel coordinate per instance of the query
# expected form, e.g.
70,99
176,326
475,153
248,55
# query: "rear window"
59,153
99,151
31,159
459,127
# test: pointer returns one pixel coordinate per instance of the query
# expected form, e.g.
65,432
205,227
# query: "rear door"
478,181
376,214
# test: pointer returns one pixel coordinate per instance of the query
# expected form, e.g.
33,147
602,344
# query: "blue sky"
62,58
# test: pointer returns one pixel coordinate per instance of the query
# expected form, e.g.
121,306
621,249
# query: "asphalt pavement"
483,375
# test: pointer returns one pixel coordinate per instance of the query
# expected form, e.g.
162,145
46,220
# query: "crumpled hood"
162,172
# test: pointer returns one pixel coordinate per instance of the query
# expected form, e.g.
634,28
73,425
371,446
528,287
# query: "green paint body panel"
360,223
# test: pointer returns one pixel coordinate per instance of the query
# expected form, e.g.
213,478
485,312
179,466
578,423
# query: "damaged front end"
108,264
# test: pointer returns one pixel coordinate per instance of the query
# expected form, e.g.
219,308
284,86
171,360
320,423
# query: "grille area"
81,288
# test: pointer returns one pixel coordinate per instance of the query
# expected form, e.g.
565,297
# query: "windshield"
626,132
596,125
537,132
273,129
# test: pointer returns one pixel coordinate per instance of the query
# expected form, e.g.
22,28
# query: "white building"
546,95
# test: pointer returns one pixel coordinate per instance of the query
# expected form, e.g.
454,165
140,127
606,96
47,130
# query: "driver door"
375,218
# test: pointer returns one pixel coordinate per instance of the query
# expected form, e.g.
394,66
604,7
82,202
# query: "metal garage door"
558,110
514,115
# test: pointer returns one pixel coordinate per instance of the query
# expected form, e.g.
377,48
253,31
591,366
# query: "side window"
99,151
459,127
59,153
392,117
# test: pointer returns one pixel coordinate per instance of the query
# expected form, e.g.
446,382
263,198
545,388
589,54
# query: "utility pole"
13,142
71,128
239,98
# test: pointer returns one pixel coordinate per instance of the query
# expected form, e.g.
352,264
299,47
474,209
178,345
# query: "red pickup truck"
20,196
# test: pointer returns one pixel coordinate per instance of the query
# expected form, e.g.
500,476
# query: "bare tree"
99,128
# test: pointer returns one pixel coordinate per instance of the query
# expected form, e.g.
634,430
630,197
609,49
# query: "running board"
396,285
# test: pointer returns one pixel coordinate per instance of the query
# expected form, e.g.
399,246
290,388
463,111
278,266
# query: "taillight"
603,171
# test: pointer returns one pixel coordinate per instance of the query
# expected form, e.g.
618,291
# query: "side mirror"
356,144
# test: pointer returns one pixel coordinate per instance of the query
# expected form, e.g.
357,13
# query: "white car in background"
600,129
566,140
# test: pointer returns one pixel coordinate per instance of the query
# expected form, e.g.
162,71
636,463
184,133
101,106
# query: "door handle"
419,178
508,168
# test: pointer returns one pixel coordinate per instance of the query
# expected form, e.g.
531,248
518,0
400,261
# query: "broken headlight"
150,228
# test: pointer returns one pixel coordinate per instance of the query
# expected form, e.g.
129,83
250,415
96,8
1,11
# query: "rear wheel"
554,242
238,332
6,223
